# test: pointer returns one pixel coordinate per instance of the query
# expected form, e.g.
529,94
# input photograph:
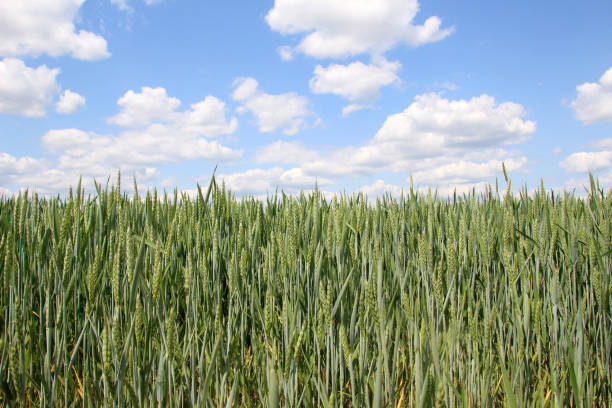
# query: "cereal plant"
168,300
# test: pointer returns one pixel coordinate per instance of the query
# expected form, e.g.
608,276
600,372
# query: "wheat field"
489,299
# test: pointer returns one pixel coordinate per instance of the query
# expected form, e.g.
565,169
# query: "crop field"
479,300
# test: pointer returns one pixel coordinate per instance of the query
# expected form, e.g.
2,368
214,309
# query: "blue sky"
355,95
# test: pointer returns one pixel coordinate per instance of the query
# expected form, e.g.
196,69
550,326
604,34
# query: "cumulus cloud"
356,81
14,170
431,132
35,27
598,162
380,188
150,138
11,166
594,101
152,135
463,171
142,108
581,186
286,152
268,180
337,28
443,143
354,107
447,190
26,91
89,153
584,162
432,125
153,106
69,102
286,112
156,134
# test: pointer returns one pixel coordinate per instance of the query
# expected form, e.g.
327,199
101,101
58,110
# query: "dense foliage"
298,301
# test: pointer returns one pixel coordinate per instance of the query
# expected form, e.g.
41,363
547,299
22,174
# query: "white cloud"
138,150
463,171
12,168
285,152
135,150
140,109
153,106
557,150
379,188
432,125
356,81
443,143
433,132
207,117
597,162
337,28
267,180
582,185
285,52
594,101
343,163
10,165
447,190
26,91
583,162
34,27
605,143
69,102
354,107
286,112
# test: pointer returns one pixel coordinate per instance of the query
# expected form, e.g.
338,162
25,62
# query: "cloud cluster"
267,180
430,130
35,27
153,133
286,112
152,107
340,29
380,187
337,28
445,143
28,91
594,101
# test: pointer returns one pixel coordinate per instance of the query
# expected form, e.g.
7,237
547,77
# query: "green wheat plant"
156,299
